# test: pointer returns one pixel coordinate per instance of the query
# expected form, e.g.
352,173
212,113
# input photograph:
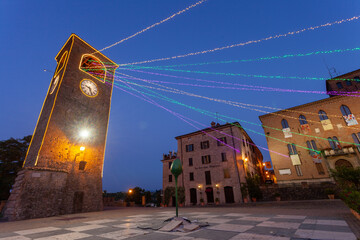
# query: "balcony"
338,152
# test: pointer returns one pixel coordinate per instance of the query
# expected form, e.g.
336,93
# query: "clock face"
89,88
54,84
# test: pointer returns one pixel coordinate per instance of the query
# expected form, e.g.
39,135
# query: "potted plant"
217,201
330,193
244,192
277,196
253,186
181,195
202,202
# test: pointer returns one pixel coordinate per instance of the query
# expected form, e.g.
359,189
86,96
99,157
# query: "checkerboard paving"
231,226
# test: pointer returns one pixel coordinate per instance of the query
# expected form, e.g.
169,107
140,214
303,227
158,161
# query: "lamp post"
176,170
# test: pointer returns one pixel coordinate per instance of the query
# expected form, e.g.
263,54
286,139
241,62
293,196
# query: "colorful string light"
154,25
247,43
232,103
252,123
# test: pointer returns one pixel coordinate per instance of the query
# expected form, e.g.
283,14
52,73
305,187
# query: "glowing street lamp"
82,148
84,133
130,191
246,159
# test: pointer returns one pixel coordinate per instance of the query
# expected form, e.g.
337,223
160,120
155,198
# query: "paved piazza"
268,221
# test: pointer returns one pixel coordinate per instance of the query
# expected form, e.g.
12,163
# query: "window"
190,147
226,173
345,110
357,79
319,168
223,157
284,123
356,138
311,145
298,170
93,66
221,141
170,164
334,143
322,115
191,176
302,119
204,145
207,178
205,159
348,83
190,161
292,149
244,142
170,178
339,85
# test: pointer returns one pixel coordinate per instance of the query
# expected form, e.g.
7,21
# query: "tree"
253,185
12,156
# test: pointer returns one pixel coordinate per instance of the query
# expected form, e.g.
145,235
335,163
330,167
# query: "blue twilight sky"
32,32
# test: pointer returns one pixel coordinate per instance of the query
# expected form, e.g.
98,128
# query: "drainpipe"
235,161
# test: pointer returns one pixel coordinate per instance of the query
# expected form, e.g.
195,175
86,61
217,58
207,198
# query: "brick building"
214,161
320,135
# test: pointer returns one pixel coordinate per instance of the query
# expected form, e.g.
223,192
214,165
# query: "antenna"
332,71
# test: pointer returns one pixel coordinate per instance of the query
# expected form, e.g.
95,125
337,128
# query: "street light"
82,148
130,191
84,133
246,159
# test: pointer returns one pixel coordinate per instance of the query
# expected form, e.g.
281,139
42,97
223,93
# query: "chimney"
213,124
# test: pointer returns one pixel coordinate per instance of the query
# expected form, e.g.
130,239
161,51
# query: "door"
193,198
229,195
78,202
209,195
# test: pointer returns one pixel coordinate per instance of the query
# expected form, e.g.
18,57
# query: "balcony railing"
336,152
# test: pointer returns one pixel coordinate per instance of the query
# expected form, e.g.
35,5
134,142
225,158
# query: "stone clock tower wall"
58,177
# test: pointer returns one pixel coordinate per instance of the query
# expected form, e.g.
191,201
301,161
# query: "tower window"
93,66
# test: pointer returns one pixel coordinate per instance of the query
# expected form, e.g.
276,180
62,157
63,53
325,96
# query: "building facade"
215,161
317,136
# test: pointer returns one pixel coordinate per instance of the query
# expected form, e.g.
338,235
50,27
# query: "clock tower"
63,168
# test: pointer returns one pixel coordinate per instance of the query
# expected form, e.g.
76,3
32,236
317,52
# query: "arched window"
339,85
284,123
345,110
322,115
292,149
356,138
302,119
93,66
334,143
311,145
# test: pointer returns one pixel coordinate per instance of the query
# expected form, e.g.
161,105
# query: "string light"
176,91
265,58
262,89
248,42
154,25
242,74
212,115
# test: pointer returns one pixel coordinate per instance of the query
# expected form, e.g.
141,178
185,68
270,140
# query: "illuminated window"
205,159
302,119
93,66
322,115
226,173
284,123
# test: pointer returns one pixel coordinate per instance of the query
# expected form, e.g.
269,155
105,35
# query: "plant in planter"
202,202
168,193
181,193
244,192
217,201
330,193
253,186
277,196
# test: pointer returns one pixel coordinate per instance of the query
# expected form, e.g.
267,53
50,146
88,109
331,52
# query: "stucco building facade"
215,161
316,136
